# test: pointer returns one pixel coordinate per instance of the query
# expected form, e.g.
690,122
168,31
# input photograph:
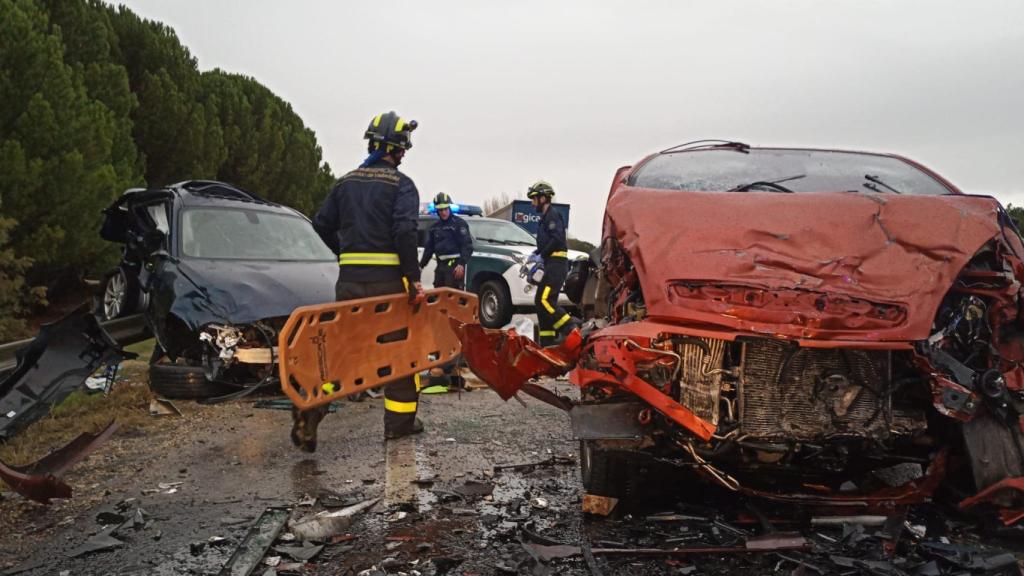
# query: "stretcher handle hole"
295,331
393,336
382,307
298,388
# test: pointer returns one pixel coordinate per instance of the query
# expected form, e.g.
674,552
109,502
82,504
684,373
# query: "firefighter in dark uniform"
450,244
369,221
552,250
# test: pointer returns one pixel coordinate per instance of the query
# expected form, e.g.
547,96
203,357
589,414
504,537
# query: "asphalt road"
233,461
446,504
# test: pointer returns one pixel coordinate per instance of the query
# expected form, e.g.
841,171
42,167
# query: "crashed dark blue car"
216,270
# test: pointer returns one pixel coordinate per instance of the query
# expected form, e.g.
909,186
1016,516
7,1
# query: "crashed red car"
810,326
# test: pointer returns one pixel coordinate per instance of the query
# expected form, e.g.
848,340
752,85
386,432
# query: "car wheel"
181,381
120,294
599,474
495,304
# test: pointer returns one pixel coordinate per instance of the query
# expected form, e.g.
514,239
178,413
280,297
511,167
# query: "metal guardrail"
125,331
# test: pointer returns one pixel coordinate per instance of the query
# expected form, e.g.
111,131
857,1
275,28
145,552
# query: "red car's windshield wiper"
773,185
877,180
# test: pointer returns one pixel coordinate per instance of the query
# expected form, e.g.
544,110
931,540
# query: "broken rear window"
239,234
783,170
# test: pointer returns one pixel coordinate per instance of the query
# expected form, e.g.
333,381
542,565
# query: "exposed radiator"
699,390
796,393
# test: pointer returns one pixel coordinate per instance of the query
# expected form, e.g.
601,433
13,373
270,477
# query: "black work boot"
458,382
416,428
304,427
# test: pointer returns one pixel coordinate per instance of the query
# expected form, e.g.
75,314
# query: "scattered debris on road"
163,407
256,543
324,525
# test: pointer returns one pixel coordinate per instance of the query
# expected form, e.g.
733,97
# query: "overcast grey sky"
509,92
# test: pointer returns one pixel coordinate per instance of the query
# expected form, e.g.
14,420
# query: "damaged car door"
140,221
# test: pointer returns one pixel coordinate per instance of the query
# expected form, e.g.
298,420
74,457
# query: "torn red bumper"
506,361
989,495
40,480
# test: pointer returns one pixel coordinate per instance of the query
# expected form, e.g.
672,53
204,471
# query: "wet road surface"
210,473
190,488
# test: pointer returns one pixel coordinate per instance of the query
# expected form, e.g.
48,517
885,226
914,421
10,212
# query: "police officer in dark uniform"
448,242
553,251
369,221
451,245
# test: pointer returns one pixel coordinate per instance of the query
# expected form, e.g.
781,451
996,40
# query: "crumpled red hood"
832,265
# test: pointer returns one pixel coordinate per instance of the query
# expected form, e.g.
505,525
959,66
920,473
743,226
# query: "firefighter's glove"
533,272
416,295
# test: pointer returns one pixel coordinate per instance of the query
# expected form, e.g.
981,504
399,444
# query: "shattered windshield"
244,234
800,171
499,232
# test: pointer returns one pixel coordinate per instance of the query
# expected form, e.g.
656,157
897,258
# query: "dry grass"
128,403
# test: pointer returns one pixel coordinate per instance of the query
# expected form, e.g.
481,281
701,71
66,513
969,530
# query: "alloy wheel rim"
113,296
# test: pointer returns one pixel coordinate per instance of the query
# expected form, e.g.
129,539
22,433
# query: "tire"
182,382
120,294
599,472
495,304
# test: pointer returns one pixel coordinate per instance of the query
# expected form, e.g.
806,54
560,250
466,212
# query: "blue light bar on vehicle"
455,208
467,209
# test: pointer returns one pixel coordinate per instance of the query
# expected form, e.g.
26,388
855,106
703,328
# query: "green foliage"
15,297
268,148
581,245
94,100
57,146
1017,214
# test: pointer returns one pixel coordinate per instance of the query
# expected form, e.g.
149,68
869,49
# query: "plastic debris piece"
163,407
324,525
303,553
257,541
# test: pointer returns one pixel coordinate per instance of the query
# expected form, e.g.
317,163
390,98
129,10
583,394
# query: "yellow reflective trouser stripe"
548,333
416,379
405,283
368,259
544,300
561,321
560,254
400,407
327,387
